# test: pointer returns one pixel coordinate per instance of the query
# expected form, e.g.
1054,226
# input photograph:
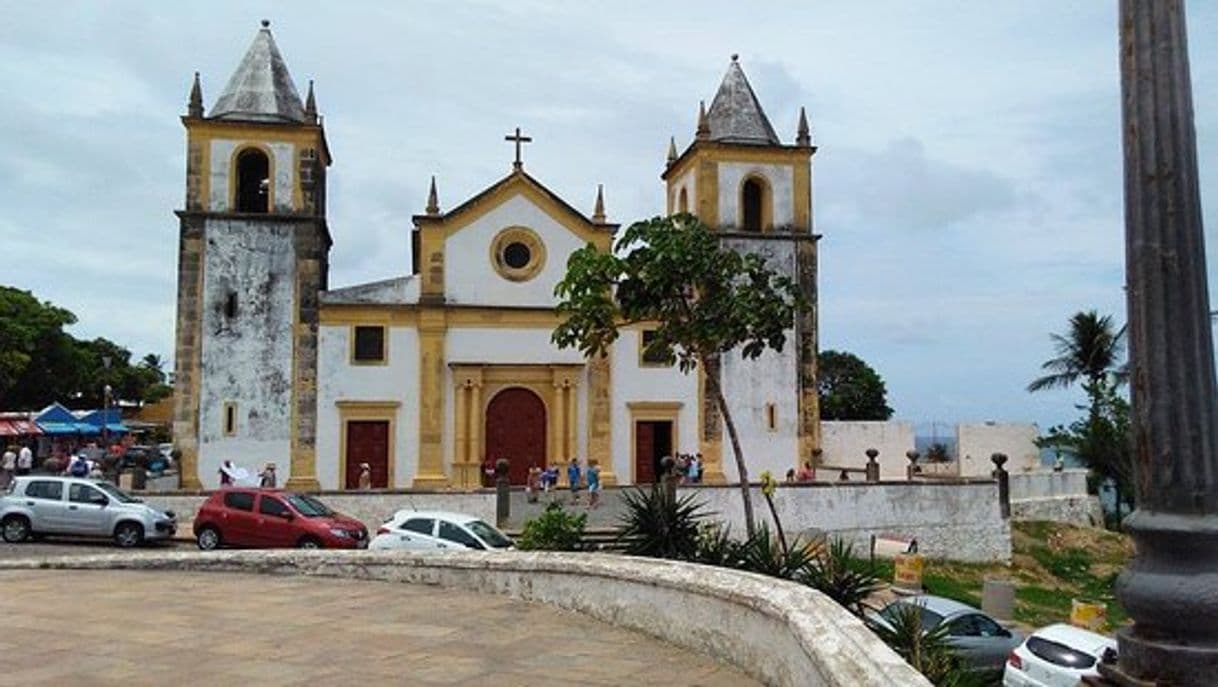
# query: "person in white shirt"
8,465
25,461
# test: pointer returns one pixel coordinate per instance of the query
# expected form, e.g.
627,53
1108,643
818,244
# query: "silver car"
36,505
980,641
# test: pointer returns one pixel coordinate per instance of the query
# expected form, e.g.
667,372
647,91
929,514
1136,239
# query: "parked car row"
1055,656
33,506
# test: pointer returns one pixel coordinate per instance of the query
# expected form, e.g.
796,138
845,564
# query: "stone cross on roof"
518,139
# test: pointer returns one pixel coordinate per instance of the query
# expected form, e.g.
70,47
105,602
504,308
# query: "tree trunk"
745,496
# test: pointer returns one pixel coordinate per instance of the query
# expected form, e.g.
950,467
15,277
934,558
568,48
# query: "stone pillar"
572,410
1170,589
600,416
911,469
873,468
710,428
1004,484
188,348
431,399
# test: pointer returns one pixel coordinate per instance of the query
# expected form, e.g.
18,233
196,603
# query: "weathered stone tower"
738,177
253,255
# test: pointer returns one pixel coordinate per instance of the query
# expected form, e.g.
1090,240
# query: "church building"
426,376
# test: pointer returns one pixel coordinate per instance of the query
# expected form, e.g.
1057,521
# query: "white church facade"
427,376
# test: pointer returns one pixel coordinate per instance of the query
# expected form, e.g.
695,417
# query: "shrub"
553,530
928,652
763,553
715,546
659,525
835,572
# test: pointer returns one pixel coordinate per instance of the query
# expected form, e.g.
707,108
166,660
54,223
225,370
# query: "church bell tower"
740,179
252,258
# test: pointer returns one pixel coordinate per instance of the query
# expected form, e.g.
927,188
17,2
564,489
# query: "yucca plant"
837,573
716,546
660,525
928,652
764,553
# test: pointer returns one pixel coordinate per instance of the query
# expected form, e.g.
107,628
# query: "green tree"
1090,351
704,299
849,389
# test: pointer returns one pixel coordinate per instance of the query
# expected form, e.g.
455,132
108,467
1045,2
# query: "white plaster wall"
469,275
954,521
1047,483
283,167
782,185
685,181
748,386
845,443
977,442
339,380
631,383
246,360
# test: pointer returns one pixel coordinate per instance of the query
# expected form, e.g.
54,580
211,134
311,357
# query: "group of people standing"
17,460
544,481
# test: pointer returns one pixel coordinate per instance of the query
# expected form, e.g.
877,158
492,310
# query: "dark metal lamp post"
1170,589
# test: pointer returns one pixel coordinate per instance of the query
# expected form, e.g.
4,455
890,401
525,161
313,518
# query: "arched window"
253,181
752,201
683,202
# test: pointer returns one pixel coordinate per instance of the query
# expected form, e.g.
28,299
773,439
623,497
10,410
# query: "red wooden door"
516,430
368,442
644,453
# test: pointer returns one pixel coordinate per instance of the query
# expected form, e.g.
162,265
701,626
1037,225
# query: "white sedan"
418,530
1056,656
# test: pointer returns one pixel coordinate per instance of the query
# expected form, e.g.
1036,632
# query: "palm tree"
1091,351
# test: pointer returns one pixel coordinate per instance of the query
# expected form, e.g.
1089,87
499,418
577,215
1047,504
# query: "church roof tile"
261,90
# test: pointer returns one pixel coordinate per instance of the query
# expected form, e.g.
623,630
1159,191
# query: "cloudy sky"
967,183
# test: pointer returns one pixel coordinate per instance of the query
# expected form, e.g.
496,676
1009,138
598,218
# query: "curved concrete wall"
779,632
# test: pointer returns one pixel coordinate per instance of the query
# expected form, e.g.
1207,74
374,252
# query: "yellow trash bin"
1088,615
907,573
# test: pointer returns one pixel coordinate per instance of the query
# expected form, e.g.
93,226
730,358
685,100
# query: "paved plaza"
162,628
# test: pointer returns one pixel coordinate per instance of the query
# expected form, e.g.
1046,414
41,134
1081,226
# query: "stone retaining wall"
1060,496
779,632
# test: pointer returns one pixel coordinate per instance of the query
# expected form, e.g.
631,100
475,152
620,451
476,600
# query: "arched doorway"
516,430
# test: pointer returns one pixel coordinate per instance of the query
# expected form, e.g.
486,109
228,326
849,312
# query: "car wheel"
208,539
308,543
128,534
16,529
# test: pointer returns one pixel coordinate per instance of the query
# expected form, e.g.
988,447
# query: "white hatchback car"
1056,656
419,530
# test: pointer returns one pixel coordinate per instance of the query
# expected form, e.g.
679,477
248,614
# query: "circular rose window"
518,254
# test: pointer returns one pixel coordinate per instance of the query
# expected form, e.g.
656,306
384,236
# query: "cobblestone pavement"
82,547
161,628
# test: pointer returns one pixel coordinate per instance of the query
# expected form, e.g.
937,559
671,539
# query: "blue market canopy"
56,419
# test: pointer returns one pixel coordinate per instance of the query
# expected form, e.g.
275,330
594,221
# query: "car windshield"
116,493
489,534
309,506
930,619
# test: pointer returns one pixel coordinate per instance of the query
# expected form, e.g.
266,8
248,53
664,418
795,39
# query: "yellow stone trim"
525,236
519,185
803,197
489,317
720,152
767,202
652,411
366,411
600,416
384,359
384,315
706,185
432,328
710,448
239,148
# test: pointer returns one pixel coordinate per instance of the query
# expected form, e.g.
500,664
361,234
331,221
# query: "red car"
273,518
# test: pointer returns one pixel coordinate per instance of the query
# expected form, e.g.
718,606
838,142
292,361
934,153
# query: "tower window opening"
751,198
253,181
230,305
230,419
771,417
683,202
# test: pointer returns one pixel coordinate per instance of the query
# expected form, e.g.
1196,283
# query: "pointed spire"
735,115
194,109
598,213
672,149
433,199
803,137
703,123
261,89
311,106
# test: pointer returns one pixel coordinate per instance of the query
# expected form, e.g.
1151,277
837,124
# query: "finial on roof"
311,105
195,108
735,57
703,122
266,23
433,200
598,213
672,149
803,137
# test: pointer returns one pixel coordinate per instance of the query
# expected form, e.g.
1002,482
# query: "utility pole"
1170,589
